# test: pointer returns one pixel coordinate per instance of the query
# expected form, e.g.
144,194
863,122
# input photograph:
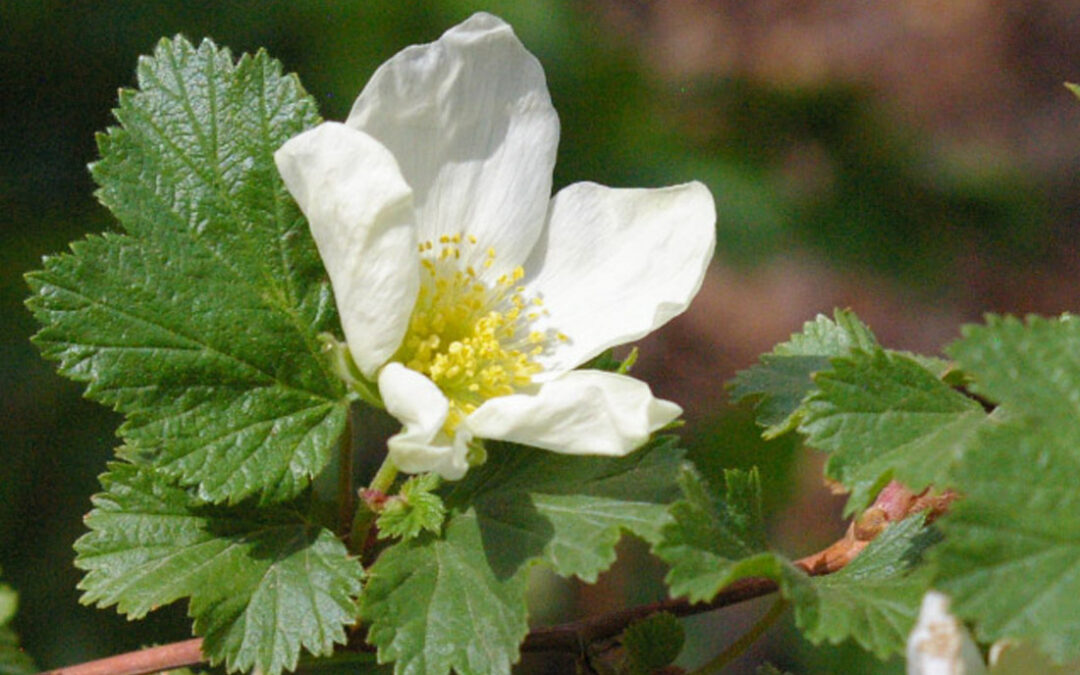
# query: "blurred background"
915,160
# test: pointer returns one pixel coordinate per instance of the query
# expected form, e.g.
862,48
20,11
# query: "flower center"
470,337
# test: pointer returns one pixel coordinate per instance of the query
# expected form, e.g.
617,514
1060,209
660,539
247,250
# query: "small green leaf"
201,322
783,378
414,510
13,660
874,599
883,416
456,601
713,542
1011,556
263,583
653,642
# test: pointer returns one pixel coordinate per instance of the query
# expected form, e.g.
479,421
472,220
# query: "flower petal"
615,264
471,124
939,644
360,211
422,445
583,412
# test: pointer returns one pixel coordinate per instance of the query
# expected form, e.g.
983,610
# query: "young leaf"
13,660
1011,556
874,599
200,323
783,378
457,600
263,583
414,510
713,542
882,416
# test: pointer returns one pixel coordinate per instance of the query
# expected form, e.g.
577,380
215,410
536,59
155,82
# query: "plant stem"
736,649
364,517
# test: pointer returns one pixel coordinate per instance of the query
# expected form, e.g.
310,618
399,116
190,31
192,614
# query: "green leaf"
653,642
456,601
435,604
1011,557
568,510
201,322
263,583
883,416
413,510
13,660
714,542
874,599
783,378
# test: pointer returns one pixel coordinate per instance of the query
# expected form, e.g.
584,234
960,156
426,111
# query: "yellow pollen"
472,337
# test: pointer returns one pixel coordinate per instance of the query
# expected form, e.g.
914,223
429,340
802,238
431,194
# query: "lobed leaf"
200,323
713,542
263,582
882,416
1011,557
782,379
875,599
456,600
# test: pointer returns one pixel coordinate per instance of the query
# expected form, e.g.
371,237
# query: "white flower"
464,289
939,644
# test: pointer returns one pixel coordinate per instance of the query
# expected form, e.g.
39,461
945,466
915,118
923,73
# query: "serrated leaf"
436,605
653,642
414,510
568,510
783,378
883,416
874,600
1011,557
713,542
200,323
263,583
456,601
13,660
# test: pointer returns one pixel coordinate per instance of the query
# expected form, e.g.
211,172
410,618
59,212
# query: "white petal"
360,211
421,445
471,124
583,412
939,644
615,264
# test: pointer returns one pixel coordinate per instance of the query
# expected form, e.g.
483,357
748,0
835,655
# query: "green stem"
736,649
365,517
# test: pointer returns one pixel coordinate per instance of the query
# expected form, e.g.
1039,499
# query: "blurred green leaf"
653,642
13,660
200,323
263,583
1011,556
